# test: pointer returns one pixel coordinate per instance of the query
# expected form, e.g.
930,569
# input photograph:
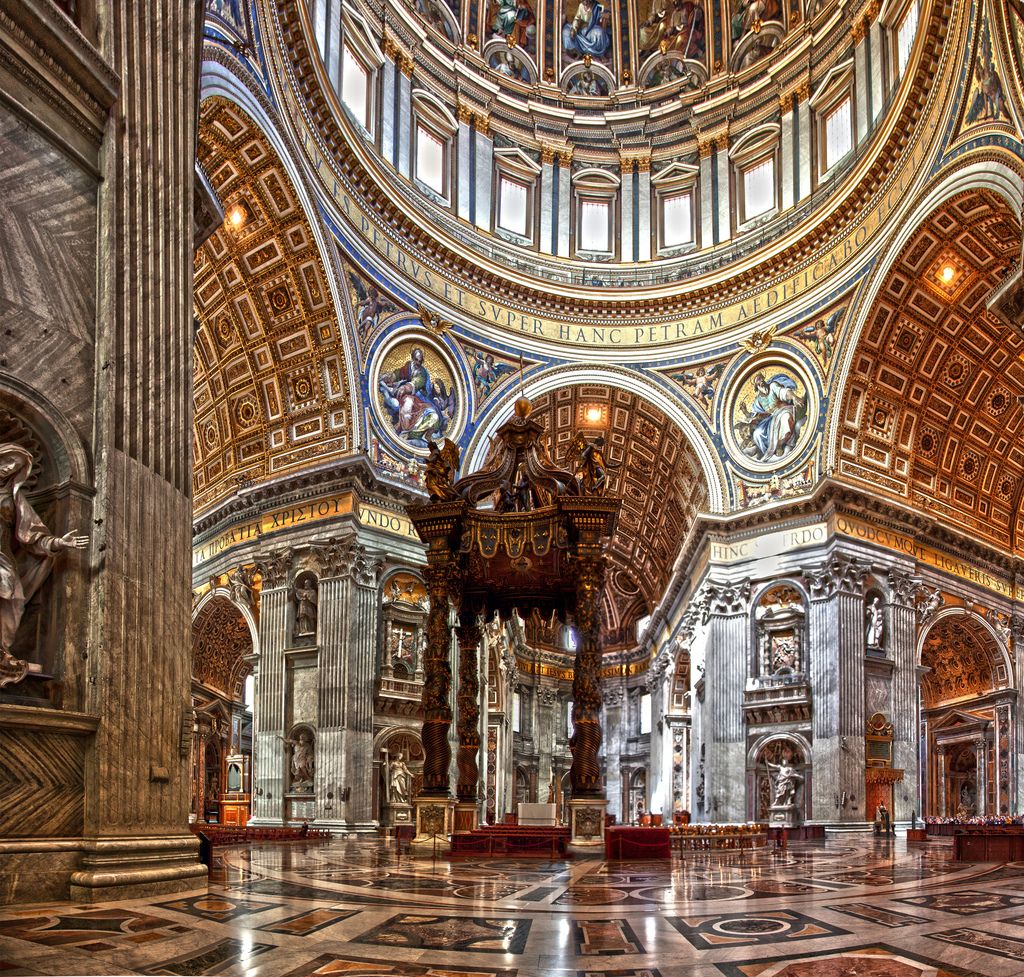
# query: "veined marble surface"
854,907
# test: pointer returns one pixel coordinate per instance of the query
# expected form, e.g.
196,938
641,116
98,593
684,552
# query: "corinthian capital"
274,568
722,599
837,574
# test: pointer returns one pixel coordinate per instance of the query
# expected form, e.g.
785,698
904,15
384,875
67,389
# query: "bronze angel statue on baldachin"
442,469
587,462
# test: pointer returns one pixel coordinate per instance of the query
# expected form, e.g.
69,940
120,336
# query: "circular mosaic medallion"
415,393
770,414
752,926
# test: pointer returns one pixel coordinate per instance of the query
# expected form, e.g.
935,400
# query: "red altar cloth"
621,841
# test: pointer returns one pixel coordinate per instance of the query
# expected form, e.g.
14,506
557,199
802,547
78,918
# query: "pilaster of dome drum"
836,626
787,151
644,209
469,717
268,779
545,201
906,693
136,797
721,162
388,123
403,123
564,202
876,38
484,177
626,212
727,615
804,161
862,84
465,138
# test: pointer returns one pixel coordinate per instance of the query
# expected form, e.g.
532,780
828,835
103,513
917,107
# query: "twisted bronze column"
585,742
437,710
469,708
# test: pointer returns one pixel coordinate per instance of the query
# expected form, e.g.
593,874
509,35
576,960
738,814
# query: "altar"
537,815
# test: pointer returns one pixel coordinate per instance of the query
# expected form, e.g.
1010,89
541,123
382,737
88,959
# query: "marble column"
901,646
726,668
614,724
347,626
268,779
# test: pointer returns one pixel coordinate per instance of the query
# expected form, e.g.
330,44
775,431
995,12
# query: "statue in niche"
27,552
875,624
399,780
785,781
305,596
303,763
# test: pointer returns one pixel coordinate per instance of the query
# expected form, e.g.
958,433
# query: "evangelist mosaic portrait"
417,395
769,414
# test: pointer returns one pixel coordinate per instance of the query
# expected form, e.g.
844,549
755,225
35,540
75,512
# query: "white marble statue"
27,551
875,624
785,781
399,780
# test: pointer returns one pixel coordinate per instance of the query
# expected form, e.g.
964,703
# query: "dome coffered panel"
931,413
271,392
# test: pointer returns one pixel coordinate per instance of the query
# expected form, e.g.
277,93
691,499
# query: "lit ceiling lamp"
237,216
593,414
948,274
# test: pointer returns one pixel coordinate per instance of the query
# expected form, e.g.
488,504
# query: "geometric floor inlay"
965,903
450,933
748,929
861,961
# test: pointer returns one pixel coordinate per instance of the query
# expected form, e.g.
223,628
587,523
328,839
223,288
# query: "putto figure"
27,552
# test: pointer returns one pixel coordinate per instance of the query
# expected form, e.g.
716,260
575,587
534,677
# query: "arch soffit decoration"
217,80
225,594
979,625
920,403
221,639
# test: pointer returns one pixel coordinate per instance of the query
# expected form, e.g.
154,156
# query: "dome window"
833,109
355,87
675,207
755,166
596,194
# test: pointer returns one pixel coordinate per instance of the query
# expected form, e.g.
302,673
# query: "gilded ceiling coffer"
520,534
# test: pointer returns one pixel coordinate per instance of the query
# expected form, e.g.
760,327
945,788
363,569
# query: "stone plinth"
398,814
466,816
435,821
586,820
783,816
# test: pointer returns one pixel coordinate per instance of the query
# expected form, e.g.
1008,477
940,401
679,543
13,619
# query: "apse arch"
982,175
218,593
553,378
982,631
224,634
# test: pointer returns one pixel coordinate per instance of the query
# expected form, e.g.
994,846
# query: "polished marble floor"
853,906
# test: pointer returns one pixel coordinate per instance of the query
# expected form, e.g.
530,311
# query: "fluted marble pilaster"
268,776
725,734
906,699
